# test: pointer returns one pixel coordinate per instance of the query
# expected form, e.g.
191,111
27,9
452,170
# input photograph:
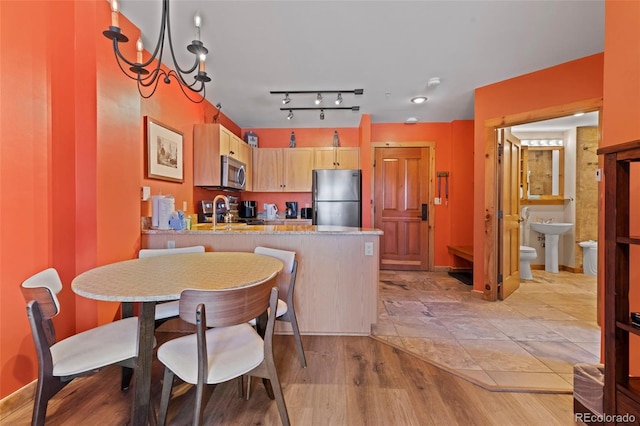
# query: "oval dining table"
162,278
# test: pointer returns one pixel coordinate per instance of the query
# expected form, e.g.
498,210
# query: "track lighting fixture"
148,79
317,101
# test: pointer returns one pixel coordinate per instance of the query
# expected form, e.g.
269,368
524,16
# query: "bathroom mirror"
542,174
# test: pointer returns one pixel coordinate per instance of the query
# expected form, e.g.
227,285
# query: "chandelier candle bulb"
139,47
114,13
197,20
202,59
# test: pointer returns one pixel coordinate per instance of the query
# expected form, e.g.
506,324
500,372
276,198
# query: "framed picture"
165,149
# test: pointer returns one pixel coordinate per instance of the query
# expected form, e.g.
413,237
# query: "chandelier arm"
153,83
153,78
202,89
183,83
179,70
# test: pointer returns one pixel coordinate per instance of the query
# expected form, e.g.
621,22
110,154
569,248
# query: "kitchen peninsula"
338,267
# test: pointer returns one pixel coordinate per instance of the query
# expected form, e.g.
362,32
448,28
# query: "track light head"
339,99
286,99
290,116
318,99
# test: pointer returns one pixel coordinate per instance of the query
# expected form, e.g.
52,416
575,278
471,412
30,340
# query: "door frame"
491,223
432,178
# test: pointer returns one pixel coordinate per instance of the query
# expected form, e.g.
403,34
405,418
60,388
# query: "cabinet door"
245,155
324,158
298,164
347,158
225,142
206,155
267,170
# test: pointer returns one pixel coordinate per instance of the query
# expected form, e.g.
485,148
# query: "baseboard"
441,268
18,399
560,268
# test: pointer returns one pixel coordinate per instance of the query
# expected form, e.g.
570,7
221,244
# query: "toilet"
527,254
589,257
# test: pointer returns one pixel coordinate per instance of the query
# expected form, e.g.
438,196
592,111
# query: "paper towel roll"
167,206
155,209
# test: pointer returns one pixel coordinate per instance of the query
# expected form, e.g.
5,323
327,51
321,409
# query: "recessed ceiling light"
419,99
578,114
411,120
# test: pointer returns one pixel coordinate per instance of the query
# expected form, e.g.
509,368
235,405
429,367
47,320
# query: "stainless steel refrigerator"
336,197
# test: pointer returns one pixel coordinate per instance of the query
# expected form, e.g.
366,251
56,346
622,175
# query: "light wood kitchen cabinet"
282,169
210,141
336,158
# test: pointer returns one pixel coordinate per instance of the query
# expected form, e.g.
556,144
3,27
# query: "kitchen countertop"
239,228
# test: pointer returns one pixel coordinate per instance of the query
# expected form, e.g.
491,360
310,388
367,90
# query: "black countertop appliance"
291,210
247,209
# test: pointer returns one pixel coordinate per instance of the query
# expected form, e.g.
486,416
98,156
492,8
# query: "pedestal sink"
551,231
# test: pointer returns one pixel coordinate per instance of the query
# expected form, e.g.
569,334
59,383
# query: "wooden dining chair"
59,362
286,309
170,309
229,350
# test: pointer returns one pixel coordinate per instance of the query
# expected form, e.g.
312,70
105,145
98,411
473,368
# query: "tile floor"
529,342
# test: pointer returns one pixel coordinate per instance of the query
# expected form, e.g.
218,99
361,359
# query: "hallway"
528,342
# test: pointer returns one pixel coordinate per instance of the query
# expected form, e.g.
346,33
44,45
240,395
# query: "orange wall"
621,117
71,162
573,81
453,153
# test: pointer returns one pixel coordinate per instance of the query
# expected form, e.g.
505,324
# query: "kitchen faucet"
215,207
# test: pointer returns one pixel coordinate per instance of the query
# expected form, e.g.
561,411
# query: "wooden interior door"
509,228
401,193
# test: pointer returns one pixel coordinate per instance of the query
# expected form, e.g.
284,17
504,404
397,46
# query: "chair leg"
203,393
167,384
46,388
127,373
277,391
247,395
296,335
268,388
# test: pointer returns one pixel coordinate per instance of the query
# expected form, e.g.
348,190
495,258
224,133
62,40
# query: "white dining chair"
59,362
286,310
169,309
224,346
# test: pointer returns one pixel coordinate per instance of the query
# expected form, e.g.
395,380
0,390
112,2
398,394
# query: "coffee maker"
247,209
291,210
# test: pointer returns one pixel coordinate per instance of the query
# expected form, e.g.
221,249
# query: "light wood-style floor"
349,381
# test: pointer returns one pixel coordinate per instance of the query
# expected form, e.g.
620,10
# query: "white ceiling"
388,48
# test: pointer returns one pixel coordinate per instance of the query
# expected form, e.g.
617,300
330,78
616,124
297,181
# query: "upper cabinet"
282,169
336,158
210,141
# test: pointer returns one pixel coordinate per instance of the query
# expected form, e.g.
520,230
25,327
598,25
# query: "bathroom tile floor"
528,342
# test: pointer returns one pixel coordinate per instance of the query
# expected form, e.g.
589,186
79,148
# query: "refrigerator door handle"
425,212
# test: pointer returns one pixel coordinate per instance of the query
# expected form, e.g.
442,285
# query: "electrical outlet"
171,244
437,201
368,249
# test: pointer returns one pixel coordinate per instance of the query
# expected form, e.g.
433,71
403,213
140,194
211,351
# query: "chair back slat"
287,257
226,307
143,253
49,280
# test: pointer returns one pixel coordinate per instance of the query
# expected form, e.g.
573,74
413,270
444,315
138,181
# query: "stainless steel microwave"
234,173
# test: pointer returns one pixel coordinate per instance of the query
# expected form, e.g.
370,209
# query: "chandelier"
148,77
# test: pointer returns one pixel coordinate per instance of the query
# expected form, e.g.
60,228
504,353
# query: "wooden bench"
464,252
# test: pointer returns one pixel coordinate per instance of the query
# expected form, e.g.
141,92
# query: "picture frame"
165,151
